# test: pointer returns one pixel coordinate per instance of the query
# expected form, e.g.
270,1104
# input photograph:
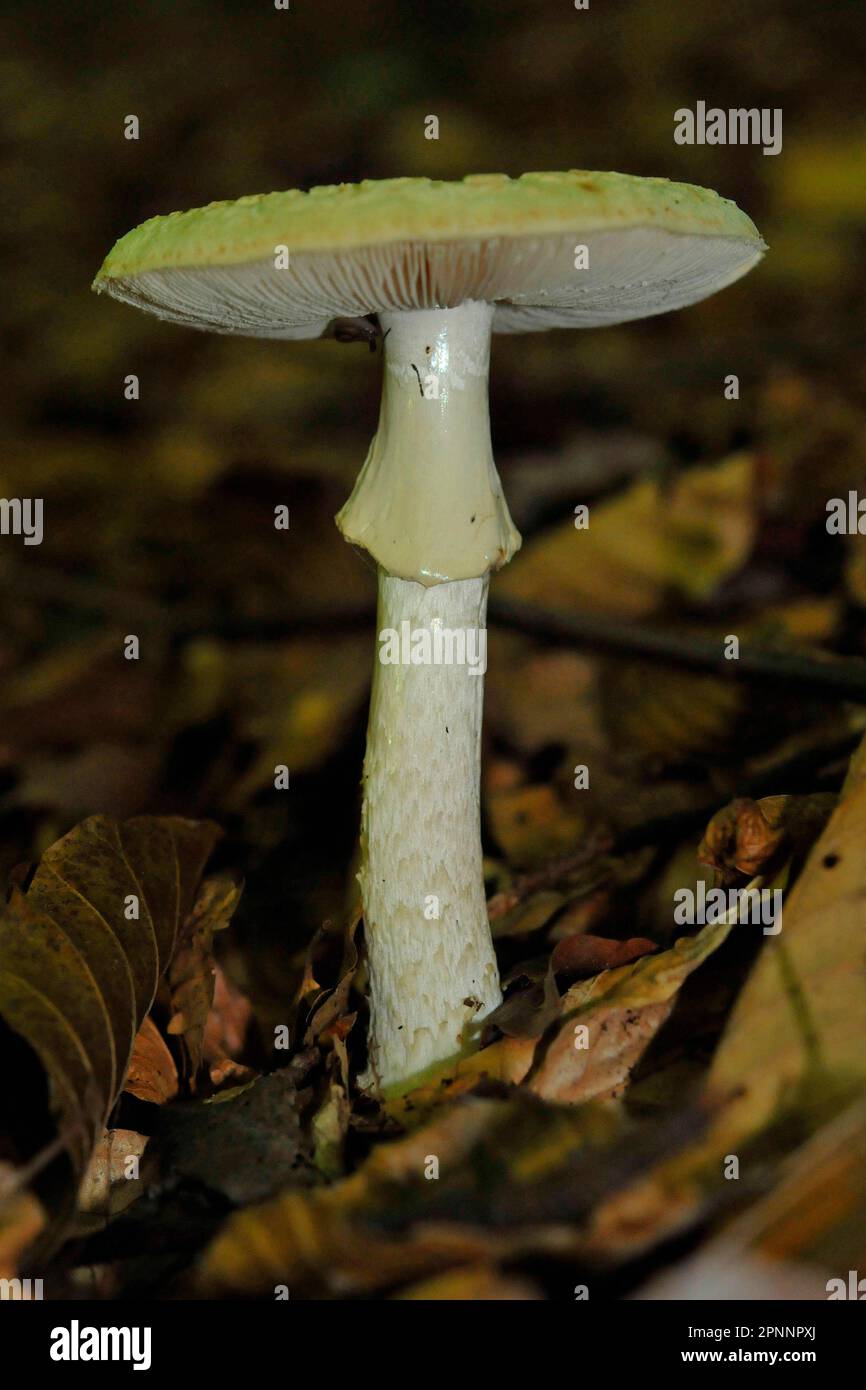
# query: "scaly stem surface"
428,506
431,960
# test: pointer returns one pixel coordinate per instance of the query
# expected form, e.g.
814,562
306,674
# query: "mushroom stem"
428,503
432,966
428,506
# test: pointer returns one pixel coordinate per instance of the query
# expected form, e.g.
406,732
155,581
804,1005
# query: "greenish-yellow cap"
350,249
377,211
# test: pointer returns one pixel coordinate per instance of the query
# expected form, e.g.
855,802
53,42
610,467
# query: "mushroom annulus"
432,269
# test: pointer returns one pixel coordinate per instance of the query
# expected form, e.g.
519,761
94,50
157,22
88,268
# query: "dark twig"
833,677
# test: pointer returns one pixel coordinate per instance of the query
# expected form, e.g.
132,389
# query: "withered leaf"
246,1146
746,836
82,951
111,1182
621,1011
331,1008
801,1016
514,1177
191,969
588,955
152,1074
739,840
325,1239
225,1031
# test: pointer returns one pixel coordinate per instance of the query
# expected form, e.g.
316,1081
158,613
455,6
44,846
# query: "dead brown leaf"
225,1031
801,1016
152,1074
191,970
747,837
112,1180
82,952
588,955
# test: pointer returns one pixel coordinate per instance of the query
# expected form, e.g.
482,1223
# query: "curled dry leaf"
800,1019
112,1179
739,840
82,951
191,970
609,1020
793,1052
330,1018
746,837
225,1031
152,1074
788,1056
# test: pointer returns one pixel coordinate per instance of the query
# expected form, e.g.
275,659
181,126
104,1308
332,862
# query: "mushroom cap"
416,243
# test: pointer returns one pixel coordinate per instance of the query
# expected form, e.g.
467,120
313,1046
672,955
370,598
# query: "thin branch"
832,677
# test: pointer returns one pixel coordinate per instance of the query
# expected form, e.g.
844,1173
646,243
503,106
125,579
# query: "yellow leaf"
801,1016
684,537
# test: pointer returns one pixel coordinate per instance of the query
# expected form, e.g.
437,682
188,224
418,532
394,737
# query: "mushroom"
439,266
